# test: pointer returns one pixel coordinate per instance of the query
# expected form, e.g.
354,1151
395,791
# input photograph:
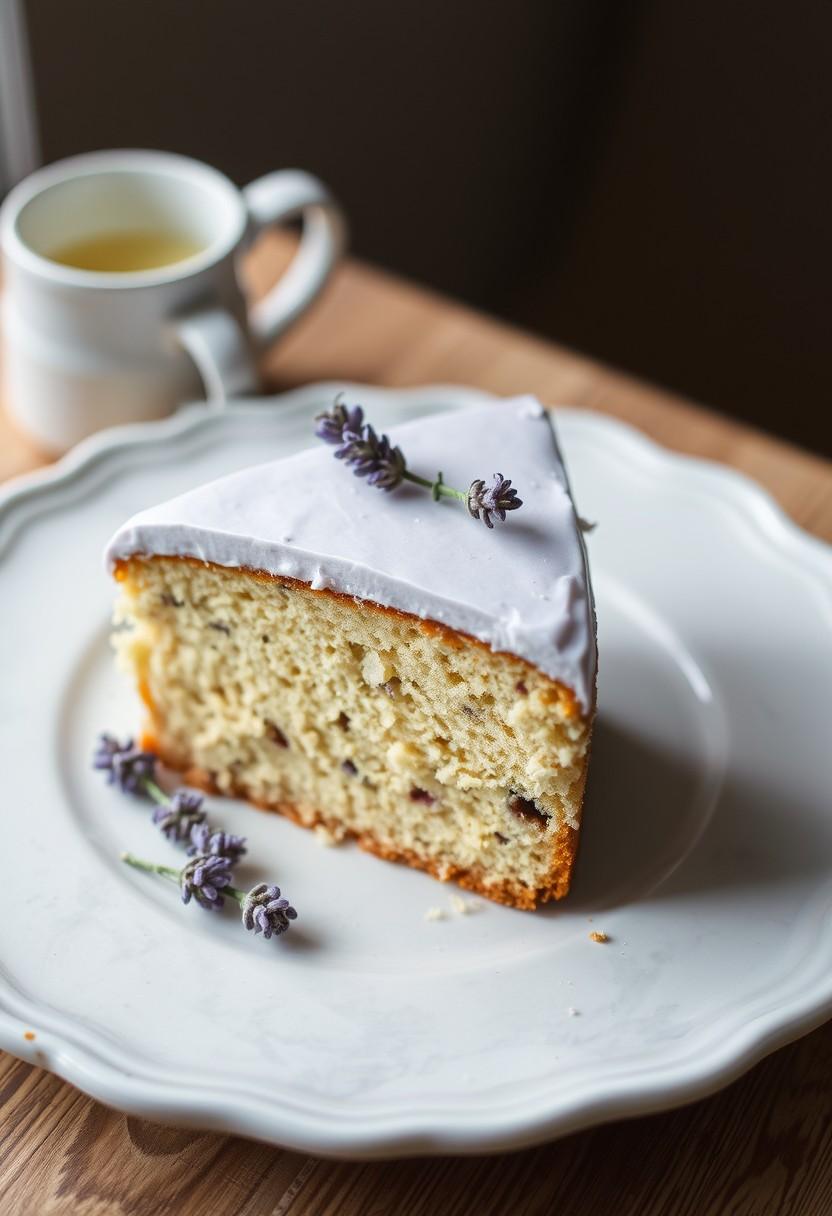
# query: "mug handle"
290,194
223,353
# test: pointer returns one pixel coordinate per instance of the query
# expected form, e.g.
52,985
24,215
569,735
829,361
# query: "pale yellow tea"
122,252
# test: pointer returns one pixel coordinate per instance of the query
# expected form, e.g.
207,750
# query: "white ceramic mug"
88,349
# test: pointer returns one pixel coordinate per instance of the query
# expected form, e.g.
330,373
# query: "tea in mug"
123,252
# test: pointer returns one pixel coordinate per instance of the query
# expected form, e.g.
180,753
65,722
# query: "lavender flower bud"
265,912
372,456
204,878
126,766
188,802
495,500
180,815
207,842
333,422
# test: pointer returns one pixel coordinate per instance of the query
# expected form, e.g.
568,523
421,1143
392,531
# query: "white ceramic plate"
367,1030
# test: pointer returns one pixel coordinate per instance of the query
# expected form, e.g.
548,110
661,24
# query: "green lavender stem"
151,867
156,792
437,488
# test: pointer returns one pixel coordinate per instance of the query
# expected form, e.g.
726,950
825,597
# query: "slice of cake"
379,663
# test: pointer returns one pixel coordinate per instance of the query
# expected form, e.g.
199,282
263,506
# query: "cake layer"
419,741
523,588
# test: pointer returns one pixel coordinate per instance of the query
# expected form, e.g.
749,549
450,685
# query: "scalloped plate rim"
209,1106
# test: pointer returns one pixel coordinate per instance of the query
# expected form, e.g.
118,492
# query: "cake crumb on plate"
464,907
326,836
595,936
434,914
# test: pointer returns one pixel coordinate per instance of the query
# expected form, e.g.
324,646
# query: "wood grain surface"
761,1147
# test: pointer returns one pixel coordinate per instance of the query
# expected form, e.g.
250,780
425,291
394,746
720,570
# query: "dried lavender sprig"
135,771
207,879
374,456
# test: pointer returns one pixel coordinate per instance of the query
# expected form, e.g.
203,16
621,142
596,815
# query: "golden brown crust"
454,638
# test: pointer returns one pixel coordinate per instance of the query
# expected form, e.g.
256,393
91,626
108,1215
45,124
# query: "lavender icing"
523,588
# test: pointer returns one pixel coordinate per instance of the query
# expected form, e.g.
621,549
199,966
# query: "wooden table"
763,1146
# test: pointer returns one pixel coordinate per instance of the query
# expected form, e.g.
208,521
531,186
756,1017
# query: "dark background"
647,182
